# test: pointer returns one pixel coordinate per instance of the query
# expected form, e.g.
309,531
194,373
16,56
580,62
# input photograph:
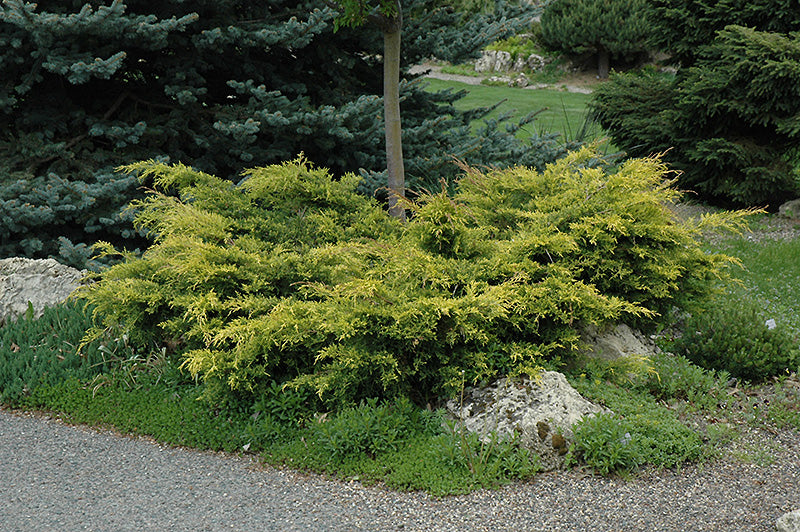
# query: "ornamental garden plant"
292,276
728,119
292,317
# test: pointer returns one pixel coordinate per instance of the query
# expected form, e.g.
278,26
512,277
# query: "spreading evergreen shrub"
218,86
293,276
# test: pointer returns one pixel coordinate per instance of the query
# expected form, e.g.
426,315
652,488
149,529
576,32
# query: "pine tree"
221,86
608,28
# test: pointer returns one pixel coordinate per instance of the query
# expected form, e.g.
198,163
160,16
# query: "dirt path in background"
576,82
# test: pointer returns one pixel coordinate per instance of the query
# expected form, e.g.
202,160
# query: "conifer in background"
683,27
607,28
730,118
220,86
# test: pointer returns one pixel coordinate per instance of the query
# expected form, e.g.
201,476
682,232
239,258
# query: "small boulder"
539,412
486,62
521,80
616,342
789,522
499,79
790,209
43,283
536,62
493,61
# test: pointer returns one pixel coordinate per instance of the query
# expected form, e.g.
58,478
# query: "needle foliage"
292,276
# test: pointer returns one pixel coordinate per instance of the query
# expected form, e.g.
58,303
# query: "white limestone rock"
521,80
790,209
493,61
540,412
616,342
789,522
536,62
43,283
519,64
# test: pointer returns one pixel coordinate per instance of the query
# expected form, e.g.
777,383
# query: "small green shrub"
784,415
640,430
632,108
285,405
676,377
606,444
735,337
489,457
370,429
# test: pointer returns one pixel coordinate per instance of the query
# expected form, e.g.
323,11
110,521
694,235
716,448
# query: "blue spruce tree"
220,86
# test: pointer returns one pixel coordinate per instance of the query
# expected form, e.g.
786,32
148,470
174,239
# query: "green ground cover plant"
44,351
641,429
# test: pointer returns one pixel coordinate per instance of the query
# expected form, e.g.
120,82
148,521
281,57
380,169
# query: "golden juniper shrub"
293,276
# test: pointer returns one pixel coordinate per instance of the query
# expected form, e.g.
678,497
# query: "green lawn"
561,111
769,272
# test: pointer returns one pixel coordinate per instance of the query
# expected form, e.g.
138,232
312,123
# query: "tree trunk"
391,108
602,63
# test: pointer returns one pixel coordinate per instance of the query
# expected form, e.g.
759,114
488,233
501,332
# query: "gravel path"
435,71
62,478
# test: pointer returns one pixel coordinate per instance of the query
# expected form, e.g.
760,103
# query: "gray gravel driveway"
55,477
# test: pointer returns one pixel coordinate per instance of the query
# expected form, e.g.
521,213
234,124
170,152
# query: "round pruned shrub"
736,338
291,276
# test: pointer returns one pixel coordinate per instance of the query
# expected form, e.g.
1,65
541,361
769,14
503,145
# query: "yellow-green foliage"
293,276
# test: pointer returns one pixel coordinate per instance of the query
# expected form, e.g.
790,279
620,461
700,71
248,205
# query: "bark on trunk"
602,63
394,131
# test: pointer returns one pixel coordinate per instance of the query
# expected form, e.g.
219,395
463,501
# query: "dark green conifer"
607,28
730,117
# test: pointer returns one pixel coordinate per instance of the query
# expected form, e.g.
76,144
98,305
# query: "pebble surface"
57,477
